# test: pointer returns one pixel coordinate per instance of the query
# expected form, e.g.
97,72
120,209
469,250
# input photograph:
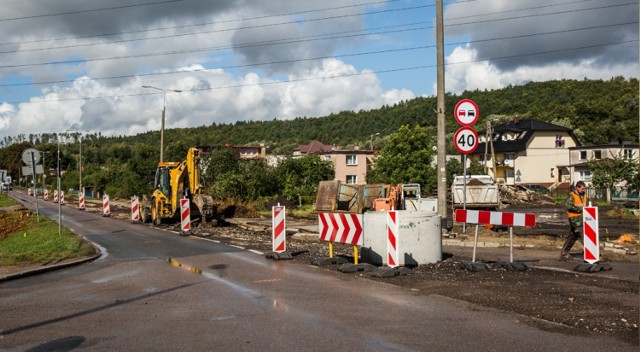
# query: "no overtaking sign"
466,112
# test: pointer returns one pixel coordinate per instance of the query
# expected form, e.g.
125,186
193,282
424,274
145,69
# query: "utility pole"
441,160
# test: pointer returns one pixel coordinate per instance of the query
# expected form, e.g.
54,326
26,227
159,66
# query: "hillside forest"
598,111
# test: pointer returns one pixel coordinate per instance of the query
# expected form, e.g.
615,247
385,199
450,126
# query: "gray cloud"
515,50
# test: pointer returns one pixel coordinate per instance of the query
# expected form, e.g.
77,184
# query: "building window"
583,155
352,179
352,160
326,158
585,175
628,153
597,154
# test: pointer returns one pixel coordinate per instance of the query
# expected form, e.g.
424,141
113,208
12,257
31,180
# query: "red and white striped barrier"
106,208
135,209
62,197
591,235
341,228
55,196
484,217
185,217
278,229
81,204
392,239
46,195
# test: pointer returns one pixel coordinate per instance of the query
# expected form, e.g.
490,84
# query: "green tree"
607,173
300,177
406,158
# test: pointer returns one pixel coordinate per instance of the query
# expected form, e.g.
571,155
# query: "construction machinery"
175,181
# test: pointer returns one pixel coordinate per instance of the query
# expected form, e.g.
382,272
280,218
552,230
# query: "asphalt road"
217,297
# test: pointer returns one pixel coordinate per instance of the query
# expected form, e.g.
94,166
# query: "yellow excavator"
174,181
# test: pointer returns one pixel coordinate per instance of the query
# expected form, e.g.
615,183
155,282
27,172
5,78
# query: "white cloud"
464,72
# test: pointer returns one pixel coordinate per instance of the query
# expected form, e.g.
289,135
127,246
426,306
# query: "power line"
87,11
327,57
201,25
413,68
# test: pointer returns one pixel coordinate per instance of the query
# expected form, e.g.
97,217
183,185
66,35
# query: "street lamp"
164,108
371,140
80,158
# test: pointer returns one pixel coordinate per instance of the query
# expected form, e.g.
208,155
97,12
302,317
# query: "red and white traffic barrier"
591,234
55,196
62,197
81,205
106,208
185,217
278,229
135,210
484,217
392,239
341,228
46,195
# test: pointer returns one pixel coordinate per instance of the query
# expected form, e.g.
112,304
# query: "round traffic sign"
466,140
466,112
27,156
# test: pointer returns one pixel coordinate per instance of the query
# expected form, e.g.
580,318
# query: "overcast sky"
81,64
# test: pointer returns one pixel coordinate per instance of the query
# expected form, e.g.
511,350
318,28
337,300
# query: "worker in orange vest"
575,202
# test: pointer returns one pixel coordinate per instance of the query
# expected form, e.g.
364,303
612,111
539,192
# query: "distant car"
7,186
537,188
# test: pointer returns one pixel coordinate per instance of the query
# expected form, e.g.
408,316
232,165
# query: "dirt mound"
9,225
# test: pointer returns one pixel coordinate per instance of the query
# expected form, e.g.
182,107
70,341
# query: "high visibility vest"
577,202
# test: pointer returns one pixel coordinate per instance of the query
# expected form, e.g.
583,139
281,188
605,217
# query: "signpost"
465,139
31,157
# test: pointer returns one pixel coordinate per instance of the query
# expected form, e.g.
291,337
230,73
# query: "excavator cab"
163,181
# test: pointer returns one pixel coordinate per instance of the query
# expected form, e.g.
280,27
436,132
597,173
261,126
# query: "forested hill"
598,111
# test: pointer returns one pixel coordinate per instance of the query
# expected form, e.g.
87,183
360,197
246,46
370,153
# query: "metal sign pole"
35,184
464,189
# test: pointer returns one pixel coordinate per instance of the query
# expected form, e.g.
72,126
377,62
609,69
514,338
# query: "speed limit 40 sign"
466,140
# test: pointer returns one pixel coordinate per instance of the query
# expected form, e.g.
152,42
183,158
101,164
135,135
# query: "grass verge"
25,240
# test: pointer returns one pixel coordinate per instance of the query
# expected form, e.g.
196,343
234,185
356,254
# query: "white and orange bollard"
106,208
135,210
185,217
55,196
81,205
61,197
46,194
278,229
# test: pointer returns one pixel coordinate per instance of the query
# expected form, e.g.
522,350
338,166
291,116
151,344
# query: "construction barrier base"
279,255
354,268
474,266
514,266
186,233
385,271
329,261
592,268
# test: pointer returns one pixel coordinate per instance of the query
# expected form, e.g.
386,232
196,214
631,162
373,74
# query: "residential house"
248,152
350,166
580,156
526,151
